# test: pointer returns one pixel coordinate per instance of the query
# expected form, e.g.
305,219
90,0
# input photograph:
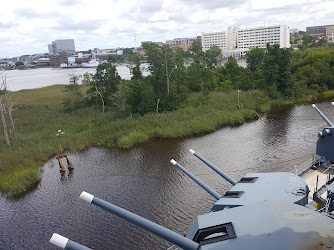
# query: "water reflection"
143,181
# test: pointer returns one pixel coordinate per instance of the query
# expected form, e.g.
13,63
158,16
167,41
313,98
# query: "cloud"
69,24
70,2
214,4
34,13
102,23
6,25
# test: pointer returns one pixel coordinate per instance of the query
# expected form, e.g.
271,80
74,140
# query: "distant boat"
93,63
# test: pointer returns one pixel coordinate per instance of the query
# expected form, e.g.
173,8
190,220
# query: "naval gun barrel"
65,243
150,226
323,116
197,180
217,170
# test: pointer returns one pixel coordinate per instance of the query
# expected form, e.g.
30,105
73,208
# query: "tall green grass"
42,115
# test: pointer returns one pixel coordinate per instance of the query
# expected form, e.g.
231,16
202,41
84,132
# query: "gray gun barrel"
65,243
217,170
323,116
197,180
150,226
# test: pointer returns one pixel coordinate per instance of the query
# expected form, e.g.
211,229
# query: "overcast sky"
27,27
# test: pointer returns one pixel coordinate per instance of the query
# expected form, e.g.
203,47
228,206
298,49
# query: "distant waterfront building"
236,41
294,32
316,30
62,46
57,60
181,43
4,63
324,31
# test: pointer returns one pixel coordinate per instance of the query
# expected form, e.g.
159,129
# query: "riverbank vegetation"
186,93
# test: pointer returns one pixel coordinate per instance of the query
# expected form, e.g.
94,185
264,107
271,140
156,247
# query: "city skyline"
28,27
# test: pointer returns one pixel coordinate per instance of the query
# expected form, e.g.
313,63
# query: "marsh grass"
42,115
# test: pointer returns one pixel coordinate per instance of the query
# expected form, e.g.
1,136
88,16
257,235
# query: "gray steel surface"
269,186
269,225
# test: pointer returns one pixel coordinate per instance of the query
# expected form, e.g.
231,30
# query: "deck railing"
306,165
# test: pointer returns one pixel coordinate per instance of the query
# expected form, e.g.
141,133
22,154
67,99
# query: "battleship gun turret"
325,143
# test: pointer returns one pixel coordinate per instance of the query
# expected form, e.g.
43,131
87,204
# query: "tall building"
236,41
210,39
259,37
62,46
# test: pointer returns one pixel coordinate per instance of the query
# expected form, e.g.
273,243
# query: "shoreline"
88,128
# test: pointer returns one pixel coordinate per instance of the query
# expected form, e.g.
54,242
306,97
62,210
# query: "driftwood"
7,106
4,124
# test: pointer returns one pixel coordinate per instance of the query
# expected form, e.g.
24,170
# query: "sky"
27,27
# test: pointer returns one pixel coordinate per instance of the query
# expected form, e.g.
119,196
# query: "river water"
143,181
41,77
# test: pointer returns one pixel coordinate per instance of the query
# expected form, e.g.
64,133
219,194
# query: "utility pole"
238,97
60,134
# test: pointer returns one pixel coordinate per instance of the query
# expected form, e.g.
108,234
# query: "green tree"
168,75
202,72
276,70
236,74
284,84
313,67
161,66
75,100
141,97
255,59
119,98
135,66
211,57
103,84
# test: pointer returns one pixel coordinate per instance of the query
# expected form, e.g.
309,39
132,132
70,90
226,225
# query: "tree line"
280,72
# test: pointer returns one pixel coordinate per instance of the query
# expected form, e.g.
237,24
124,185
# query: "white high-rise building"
259,37
237,41
210,39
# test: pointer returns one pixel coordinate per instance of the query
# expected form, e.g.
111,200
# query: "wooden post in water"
61,166
69,162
